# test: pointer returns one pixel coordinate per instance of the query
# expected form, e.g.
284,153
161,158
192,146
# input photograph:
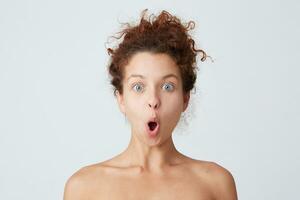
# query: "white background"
58,113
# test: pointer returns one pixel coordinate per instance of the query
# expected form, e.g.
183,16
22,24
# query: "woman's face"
152,91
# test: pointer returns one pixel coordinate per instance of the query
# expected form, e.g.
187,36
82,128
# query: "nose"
154,102
154,105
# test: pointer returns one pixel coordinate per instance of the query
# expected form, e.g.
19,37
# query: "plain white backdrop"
58,113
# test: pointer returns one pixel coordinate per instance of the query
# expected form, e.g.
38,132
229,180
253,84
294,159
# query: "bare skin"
151,167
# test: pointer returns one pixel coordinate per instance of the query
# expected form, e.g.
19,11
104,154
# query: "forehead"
151,65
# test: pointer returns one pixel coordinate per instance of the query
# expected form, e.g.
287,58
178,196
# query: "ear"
120,100
186,99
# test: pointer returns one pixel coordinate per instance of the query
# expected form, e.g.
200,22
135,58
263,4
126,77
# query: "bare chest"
171,188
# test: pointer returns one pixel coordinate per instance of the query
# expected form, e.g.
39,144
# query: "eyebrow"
143,77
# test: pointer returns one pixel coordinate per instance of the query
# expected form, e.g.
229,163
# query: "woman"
153,72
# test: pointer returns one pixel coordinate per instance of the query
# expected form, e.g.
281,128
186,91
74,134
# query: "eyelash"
172,84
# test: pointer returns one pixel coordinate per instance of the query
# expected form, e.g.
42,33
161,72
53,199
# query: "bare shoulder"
219,178
82,181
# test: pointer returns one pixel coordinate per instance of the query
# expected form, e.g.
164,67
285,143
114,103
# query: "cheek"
172,108
133,106
172,102
171,112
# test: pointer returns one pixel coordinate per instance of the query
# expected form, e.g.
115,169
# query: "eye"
168,86
137,87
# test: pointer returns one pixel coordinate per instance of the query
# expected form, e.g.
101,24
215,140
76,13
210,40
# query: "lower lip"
154,132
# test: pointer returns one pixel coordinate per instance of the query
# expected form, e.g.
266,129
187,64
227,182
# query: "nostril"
155,106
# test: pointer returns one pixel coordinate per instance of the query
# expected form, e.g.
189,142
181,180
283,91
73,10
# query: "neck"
151,158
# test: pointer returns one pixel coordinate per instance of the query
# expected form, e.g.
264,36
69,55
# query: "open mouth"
152,125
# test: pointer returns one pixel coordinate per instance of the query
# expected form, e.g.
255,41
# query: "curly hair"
160,34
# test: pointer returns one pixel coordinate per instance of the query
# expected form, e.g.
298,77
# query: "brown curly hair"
160,34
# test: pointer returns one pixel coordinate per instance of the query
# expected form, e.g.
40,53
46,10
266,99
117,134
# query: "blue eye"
137,87
168,86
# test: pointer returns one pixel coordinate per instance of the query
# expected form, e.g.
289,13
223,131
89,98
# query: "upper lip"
153,119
